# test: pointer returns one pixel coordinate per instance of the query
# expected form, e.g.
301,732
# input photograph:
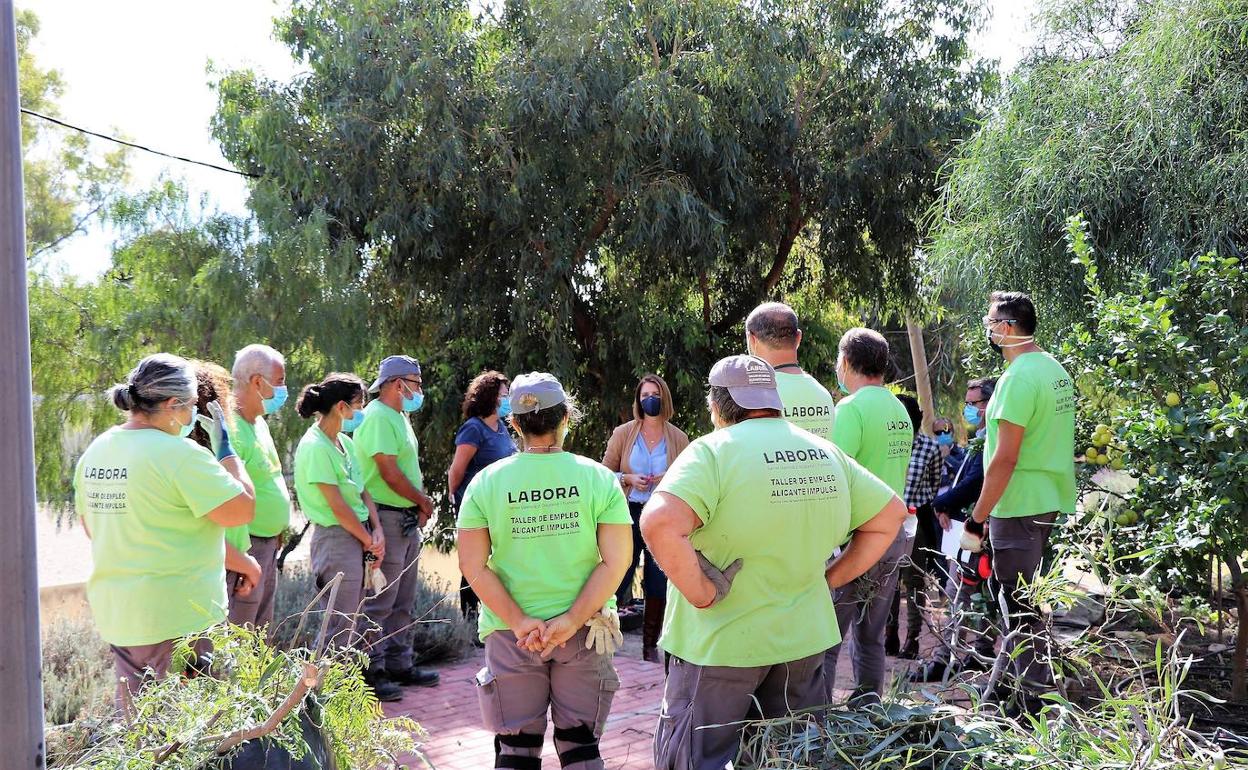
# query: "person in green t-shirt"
544,539
259,376
330,487
772,334
1029,473
389,457
154,506
742,524
872,427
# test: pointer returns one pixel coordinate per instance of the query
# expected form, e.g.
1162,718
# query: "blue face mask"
971,414
651,406
414,402
185,430
353,422
945,439
275,401
504,408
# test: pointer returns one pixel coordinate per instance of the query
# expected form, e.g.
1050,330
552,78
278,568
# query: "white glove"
604,635
971,542
377,580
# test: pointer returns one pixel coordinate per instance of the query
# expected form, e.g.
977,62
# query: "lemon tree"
1163,367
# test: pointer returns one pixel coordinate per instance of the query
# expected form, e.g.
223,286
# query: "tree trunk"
1239,663
922,382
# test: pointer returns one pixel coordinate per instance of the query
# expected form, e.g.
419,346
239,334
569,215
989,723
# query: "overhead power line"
123,142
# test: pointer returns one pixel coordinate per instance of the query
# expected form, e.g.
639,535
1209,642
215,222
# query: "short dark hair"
774,324
481,398
544,421
1015,305
866,352
912,407
985,385
729,410
322,396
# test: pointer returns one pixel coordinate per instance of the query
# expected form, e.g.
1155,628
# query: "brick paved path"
456,741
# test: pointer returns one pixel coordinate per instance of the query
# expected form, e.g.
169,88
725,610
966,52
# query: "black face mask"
651,405
995,347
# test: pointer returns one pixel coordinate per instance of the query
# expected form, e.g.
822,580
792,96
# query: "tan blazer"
620,447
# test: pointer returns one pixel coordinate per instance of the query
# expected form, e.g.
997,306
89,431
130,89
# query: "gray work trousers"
1017,549
862,613
697,697
336,550
257,607
970,607
388,615
138,664
516,689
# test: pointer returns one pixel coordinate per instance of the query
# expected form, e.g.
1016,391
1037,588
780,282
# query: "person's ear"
798,344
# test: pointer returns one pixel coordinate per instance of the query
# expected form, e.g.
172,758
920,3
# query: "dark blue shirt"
492,446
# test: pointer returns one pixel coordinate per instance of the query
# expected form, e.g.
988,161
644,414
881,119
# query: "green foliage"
77,672
1130,112
250,679
1164,366
605,189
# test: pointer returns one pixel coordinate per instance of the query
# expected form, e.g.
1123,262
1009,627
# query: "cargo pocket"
673,737
490,700
607,687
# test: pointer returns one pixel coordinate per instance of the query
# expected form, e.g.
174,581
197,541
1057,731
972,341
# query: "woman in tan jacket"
640,452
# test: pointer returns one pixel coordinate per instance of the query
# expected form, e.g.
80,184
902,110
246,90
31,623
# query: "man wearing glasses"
1029,474
389,458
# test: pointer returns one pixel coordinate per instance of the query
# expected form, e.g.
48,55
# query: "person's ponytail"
321,397
309,402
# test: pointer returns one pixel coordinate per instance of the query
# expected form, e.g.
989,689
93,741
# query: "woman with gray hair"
156,506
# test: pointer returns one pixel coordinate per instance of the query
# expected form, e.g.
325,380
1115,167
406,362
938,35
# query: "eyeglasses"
941,432
977,401
989,321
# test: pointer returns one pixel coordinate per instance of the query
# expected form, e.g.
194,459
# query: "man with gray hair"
772,334
742,525
259,390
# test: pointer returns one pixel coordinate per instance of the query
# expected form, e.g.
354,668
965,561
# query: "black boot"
385,690
419,677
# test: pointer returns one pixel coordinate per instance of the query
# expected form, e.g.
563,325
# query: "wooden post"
21,729
922,381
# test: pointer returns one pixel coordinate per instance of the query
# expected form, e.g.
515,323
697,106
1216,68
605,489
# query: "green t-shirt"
387,432
159,562
780,499
1036,392
543,512
807,404
873,427
319,461
254,446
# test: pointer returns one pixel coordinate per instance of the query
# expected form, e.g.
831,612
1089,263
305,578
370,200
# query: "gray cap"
394,366
535,390
750,381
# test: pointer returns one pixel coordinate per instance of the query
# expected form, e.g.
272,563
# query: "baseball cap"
535,390
750,381
394,366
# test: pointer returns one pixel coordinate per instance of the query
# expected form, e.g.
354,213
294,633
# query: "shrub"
77,671
441,633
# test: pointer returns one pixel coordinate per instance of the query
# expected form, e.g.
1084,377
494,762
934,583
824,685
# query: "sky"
139,69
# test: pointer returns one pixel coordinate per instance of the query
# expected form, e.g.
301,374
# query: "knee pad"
584,748
531,760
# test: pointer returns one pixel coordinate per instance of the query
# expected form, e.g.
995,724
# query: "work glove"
213,424
374,578
604,635
972,536
722,580
410,524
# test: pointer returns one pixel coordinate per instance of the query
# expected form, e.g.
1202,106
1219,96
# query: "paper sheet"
949,544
